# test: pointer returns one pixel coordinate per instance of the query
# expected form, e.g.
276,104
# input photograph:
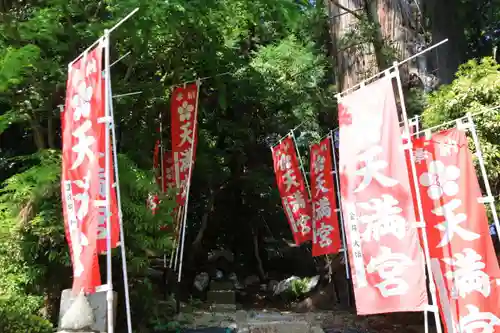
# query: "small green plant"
299,287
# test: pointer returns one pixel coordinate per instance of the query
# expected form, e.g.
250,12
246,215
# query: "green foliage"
34,257
268,71
416,102
475,89
17,314
15,63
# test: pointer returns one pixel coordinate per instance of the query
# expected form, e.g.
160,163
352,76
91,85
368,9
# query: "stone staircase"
258,322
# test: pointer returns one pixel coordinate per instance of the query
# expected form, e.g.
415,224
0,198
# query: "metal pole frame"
108,120
118,199
489,199
337,188
420,224
342,224
107,168
188,185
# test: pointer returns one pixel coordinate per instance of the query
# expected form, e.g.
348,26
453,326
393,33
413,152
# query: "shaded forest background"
271,65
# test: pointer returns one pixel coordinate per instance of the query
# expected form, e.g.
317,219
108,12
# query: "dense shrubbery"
18,314
34,256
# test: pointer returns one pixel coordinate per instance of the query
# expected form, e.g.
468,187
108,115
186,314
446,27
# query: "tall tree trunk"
355,59
51,131
446,23
362,56
260,267
38,135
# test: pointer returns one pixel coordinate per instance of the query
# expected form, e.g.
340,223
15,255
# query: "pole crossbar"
393,67
452,122
113,28
200,79
127,94
288,134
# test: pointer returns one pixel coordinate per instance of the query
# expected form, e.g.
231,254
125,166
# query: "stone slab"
221,285
280,327
221,297
223,307
97,302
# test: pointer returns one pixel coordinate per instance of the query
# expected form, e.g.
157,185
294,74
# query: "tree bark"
51,131
363,58
204,222
38,135
260,267
446,23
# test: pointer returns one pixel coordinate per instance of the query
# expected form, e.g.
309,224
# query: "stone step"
223,307
278,327
221,297
221,285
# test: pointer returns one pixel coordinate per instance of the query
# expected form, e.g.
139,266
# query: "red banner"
184,112
326,234
83,176
384,253
292,189
168,171
464,263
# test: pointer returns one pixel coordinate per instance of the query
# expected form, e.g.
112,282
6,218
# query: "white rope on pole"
430,276
109,272
120,213
191,162
337,189
479,155
394,66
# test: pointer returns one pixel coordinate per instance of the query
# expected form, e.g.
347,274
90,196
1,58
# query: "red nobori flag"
464,263
326,235
184,112
386,259
81,179
292,189
168,171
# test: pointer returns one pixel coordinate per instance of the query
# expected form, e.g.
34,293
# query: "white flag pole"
178,235
188,185
479,154
119,203
109,273
337,188
421,224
